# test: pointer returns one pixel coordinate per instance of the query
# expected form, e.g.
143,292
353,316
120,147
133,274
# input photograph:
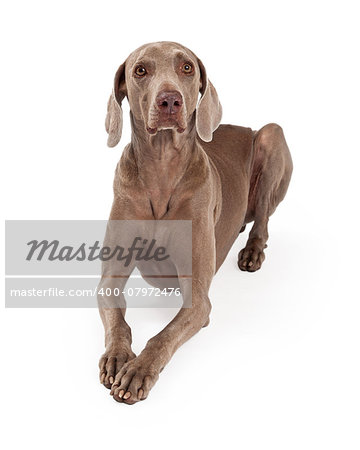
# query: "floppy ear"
209,110
114,116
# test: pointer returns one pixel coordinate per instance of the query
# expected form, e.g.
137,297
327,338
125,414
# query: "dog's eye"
187,68
140,71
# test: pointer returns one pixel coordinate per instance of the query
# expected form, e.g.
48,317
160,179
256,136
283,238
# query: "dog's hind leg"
270,178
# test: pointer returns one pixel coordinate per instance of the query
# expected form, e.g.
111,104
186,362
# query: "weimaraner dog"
180,164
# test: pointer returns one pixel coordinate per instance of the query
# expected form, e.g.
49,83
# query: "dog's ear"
114,116
209,110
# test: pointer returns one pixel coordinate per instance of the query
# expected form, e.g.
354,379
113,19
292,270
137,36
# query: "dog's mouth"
166,122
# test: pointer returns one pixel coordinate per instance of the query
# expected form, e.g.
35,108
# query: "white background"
278,367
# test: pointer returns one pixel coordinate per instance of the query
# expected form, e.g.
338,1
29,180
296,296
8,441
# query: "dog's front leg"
112,304
138,376
117,337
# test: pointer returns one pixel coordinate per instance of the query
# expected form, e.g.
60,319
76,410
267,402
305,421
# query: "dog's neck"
165,154
162,160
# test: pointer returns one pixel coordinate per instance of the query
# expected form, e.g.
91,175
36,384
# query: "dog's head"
162,82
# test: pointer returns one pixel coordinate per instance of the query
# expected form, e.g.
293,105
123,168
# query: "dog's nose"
169,102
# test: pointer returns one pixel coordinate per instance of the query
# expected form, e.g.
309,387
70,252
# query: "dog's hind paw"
251,257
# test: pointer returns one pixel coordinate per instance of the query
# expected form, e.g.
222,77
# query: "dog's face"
162,82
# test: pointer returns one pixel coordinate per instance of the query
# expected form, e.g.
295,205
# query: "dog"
181,164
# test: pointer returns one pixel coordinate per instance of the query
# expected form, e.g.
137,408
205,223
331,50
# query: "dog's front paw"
135,380
111,362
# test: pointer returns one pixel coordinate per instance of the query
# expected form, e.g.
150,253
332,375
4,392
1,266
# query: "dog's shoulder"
232,133
230,140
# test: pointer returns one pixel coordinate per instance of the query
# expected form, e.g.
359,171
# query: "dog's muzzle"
169,112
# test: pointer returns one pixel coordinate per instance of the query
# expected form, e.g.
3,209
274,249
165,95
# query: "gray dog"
180,164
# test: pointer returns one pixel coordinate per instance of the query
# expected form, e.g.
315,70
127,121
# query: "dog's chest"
159,202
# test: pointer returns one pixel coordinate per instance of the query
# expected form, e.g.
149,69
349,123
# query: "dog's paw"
134,381
111,363
251,257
